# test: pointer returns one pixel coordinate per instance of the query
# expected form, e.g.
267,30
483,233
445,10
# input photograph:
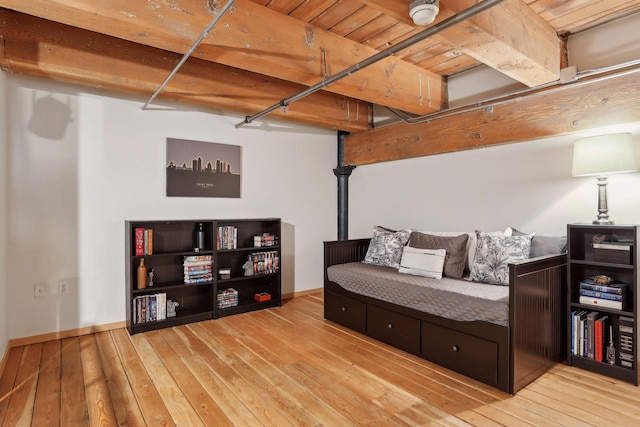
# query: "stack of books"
227,298
612,295
198,269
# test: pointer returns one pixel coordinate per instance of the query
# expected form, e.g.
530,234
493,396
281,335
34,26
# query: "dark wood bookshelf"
176,239
583,263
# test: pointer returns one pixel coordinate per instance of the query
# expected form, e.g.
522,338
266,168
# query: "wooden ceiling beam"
577,107
37,47
509,37
251,37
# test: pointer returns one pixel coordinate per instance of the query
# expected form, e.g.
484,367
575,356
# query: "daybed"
505,353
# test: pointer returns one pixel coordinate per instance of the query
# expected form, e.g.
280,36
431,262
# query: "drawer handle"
455,348
390,326
344,309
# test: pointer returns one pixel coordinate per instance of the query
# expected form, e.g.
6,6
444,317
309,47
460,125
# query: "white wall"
525,185
69,197
4,327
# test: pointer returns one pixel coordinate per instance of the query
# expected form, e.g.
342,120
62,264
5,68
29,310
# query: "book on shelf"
265,239
602,295
149,308
266,262
143,238
612,288
600,302
577,331
590,338
600,337
626,350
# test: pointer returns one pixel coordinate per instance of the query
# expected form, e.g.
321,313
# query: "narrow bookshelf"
247,265
603,299
193,270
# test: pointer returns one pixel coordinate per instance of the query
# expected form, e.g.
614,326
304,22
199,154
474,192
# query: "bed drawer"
396,329
467,354
346,311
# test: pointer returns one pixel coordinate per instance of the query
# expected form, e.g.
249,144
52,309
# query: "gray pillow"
385,249
456,247
493,255
545,245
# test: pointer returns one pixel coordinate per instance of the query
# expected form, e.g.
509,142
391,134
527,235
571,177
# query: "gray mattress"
455,299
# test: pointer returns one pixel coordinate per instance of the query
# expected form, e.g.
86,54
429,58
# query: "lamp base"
603,222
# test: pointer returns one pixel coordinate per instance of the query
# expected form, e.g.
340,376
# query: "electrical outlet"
63,287
39,290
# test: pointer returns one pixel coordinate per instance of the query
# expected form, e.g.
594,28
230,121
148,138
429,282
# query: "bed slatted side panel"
343,251
537,320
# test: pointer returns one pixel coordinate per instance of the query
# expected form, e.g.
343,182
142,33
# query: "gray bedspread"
455,299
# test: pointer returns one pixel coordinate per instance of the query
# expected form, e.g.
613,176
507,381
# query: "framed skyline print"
202,169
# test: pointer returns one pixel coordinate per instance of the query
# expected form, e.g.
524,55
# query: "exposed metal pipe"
441,26
189,52
600,73
342,172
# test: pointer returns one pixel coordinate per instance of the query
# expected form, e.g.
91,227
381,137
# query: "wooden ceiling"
263,51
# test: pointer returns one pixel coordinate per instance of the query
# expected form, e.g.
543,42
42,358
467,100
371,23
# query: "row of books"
149,308
265,239
264,262
612,295
227,298
198,269
143,240
596,336
227,237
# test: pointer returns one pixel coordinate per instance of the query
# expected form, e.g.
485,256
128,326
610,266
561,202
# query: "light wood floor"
280,367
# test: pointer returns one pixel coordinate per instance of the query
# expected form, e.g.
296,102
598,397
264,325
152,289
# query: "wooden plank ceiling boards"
263,51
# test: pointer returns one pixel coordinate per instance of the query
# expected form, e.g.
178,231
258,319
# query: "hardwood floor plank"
201,402
123,398
233,407
283,366
20,408
8,379
148,397
47,404
73,402
176,402
99,404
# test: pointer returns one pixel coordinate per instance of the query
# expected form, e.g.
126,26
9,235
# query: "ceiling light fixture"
423,12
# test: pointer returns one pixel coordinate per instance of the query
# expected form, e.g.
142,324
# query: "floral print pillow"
386,246
494,253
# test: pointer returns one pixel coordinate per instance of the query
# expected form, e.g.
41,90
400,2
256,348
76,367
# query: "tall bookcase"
228,244
586,261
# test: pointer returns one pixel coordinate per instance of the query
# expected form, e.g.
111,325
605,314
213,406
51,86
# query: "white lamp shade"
604,155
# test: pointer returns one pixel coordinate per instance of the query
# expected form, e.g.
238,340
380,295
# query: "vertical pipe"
342,172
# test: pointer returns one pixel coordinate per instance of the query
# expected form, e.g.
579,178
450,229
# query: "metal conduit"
447,23
189,52
598,74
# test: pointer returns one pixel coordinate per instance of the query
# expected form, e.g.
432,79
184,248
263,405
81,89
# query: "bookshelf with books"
183,271
176,290
603,299
247,265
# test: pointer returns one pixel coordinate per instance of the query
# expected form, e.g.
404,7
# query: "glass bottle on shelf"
200,246
142,275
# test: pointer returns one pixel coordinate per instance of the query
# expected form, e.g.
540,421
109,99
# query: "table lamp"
601,156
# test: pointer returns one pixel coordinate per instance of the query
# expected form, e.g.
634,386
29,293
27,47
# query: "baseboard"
64,334
301,293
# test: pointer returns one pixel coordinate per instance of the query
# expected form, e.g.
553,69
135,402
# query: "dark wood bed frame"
507,358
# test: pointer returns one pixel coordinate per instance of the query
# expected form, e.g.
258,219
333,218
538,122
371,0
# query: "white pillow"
422,262
471,243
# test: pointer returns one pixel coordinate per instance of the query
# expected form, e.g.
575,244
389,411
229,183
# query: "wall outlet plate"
63,287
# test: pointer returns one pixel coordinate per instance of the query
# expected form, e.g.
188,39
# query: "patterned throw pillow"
456,247
385,249
422,262
493,255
